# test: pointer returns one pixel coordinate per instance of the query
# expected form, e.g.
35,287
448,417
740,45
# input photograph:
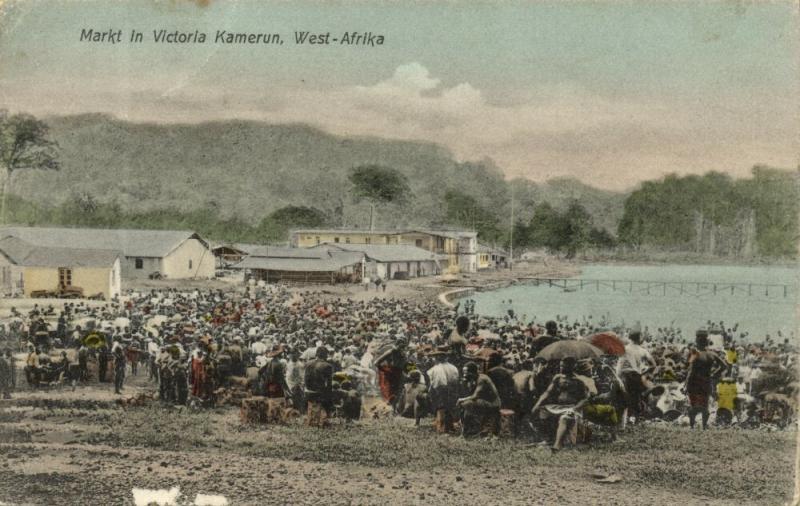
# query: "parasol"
570,348
94,340
608,342
380,349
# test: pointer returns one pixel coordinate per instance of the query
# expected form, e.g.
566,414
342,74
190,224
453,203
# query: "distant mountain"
249,169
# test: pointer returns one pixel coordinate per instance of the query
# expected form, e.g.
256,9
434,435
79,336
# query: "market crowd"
555,380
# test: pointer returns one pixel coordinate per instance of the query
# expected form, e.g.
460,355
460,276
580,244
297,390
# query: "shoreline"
431,289
699,261
498,279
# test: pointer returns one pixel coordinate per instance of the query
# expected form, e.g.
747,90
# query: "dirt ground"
61,447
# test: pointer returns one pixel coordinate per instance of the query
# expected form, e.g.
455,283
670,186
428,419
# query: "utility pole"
511,238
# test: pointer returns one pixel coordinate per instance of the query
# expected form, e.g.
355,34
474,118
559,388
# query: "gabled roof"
284,252
453,234
132,243
366,231
456,234
385,252
325,262
25,254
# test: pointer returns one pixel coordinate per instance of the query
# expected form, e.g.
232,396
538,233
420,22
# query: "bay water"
763,311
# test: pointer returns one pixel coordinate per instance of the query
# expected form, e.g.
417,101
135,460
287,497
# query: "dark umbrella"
609,342
570,348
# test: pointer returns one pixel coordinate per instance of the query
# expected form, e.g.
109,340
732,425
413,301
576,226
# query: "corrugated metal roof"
453,234
444,233
328,263
387,252
284,252
132,243
29,255
312,231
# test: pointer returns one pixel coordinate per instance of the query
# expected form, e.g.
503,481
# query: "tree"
378,185
575,228
24,144
544,229
465,210
714,214
275,227
601,238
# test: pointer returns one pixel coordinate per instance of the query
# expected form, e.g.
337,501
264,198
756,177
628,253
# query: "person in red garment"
202,373
390,373
703,366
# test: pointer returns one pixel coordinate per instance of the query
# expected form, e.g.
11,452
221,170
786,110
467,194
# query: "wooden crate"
253,411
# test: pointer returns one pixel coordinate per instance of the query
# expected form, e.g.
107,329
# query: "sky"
610,93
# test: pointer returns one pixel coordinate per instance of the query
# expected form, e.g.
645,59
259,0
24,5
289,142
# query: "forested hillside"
240,173
251,181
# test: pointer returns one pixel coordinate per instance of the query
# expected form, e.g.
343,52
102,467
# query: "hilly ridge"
248,169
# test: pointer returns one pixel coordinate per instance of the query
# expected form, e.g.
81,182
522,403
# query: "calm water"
757,314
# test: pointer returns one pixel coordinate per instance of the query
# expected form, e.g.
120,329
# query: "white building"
174,254
392,261
302,265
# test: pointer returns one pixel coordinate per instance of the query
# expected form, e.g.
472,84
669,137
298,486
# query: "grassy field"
60,448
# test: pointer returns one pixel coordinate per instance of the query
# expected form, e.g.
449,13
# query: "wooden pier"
696,288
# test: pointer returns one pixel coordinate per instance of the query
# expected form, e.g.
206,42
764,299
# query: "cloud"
411,78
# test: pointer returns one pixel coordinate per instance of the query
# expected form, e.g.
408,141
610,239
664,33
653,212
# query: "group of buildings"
95,262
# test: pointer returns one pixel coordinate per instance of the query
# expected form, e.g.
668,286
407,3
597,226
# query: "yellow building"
491,258
484,262
25,269
458,248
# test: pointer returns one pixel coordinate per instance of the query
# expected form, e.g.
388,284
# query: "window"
347,240
64,277
336,239
139,263
367,240
317,239
418,242
190,264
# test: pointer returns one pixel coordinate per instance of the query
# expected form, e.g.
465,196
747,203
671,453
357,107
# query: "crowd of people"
473,374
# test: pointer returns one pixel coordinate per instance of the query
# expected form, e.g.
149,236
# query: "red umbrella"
609,342
569,348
